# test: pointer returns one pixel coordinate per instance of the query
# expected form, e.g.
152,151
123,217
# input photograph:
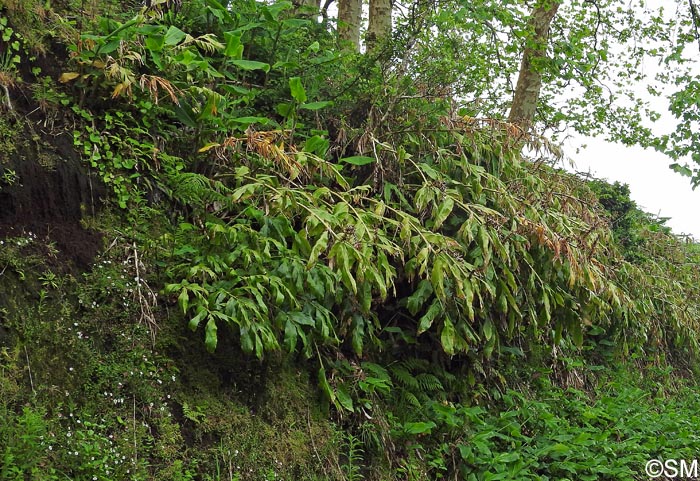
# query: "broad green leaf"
358,335
317,145
358,160
174,36
488,329
443,211
344,398
577,333
251,120
155,43
219,8
110,46
210,337
297,89
426,321
419,427
415,301
484,243
290,336
183,300
185,114
437,276
247,343
316,105
194,322
319,247
234,48
251,65
325,386
448,336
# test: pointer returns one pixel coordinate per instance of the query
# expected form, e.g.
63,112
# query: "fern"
404,377
198,190
408,399
353,464
429,383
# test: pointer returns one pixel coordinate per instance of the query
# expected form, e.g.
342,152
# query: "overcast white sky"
655,187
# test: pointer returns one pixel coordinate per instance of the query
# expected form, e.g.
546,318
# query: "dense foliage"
355,215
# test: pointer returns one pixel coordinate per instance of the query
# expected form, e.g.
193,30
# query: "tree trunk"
527,91
349,19
379,28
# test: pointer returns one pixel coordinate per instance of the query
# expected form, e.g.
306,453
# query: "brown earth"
53,191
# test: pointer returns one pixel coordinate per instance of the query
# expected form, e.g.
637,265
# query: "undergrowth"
373,273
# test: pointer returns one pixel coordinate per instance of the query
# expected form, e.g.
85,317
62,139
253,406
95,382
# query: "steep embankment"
384,287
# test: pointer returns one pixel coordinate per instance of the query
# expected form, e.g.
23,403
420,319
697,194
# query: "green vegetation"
274,258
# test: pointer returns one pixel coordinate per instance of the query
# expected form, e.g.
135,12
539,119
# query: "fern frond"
196,189
409,399
416,364
404,377
429,383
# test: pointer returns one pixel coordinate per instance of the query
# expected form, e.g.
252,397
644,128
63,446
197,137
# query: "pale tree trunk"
349,19
379,28
527,91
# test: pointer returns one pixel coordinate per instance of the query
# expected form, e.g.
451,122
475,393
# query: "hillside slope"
230,250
